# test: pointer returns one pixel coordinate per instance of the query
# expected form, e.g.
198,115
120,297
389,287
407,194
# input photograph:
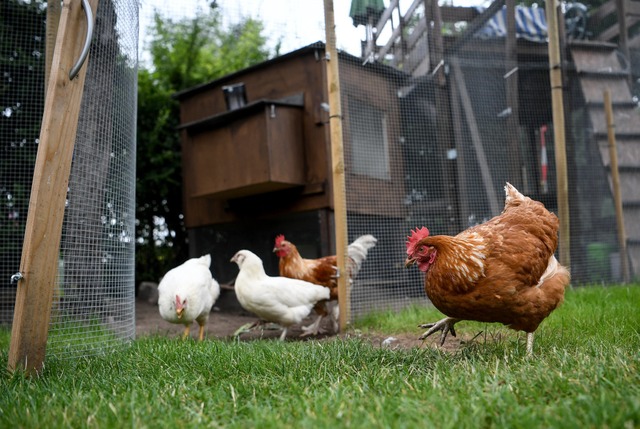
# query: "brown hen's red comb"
279,239
416,235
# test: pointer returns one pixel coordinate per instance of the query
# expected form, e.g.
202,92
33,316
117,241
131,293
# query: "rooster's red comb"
279,239
416,235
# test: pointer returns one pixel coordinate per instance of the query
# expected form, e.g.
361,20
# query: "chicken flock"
502,271
187,293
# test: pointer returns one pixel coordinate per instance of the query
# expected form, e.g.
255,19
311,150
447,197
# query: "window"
369,147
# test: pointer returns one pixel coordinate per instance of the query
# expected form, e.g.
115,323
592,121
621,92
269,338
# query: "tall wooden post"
39,264
337,161
54,8
555,71
623,31
515,167
615,182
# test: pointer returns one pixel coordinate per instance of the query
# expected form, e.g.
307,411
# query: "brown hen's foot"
445,325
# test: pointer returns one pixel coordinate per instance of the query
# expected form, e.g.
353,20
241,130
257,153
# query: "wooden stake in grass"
615,181
555,73
39,263
337,161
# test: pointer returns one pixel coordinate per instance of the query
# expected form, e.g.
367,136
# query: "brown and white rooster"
503,270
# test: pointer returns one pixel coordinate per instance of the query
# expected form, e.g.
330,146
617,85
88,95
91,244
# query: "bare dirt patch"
222,325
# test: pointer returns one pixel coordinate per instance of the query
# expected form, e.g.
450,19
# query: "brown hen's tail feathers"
553,268
554,280
512,195
357,252
547,296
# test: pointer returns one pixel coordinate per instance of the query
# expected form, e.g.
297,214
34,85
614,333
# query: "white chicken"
279,300
187,293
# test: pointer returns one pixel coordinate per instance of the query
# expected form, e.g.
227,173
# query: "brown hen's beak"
275,249
179,312
409,262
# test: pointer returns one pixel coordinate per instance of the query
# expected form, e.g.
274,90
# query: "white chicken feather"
187,293
279,300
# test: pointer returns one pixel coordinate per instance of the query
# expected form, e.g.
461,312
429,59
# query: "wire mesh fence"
436,143
93,305
21,101
441,107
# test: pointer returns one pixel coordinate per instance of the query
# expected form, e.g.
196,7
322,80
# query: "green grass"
585,372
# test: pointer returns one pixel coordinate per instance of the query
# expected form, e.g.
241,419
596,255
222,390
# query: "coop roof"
317,46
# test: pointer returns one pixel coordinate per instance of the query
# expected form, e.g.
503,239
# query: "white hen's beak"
238,258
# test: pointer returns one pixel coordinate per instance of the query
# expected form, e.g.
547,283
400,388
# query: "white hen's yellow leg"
187,329
312,329
284,334
201,333
529,343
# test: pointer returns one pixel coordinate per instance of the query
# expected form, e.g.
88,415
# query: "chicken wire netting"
93,304
459,109
442,105
445,130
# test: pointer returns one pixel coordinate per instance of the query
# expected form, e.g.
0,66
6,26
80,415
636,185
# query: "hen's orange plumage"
501,271
321,271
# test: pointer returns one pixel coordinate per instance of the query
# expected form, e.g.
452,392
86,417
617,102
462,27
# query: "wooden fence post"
337,161
40,251
615,182
555,71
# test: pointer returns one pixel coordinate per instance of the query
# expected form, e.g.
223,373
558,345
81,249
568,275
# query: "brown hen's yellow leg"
529,343
445,325
187,329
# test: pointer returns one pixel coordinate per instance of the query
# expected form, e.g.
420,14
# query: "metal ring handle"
87,42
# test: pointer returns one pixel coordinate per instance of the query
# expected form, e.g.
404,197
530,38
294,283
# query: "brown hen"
503,270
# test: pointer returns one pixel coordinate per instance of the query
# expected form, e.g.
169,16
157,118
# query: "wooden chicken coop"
256,156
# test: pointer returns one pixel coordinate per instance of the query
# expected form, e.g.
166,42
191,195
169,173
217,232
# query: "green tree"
184,53
22,44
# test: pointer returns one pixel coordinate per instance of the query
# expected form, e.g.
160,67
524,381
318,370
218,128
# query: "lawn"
585,372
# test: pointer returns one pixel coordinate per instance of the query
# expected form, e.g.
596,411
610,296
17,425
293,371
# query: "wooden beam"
337,162
54,9
462,191
438,46
514,161
623,36
487,180
386,15
445,140
397,32
615,182
48,194
598,15
476,25
557,104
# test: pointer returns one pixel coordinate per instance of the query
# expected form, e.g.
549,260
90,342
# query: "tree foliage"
184,53
22,45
